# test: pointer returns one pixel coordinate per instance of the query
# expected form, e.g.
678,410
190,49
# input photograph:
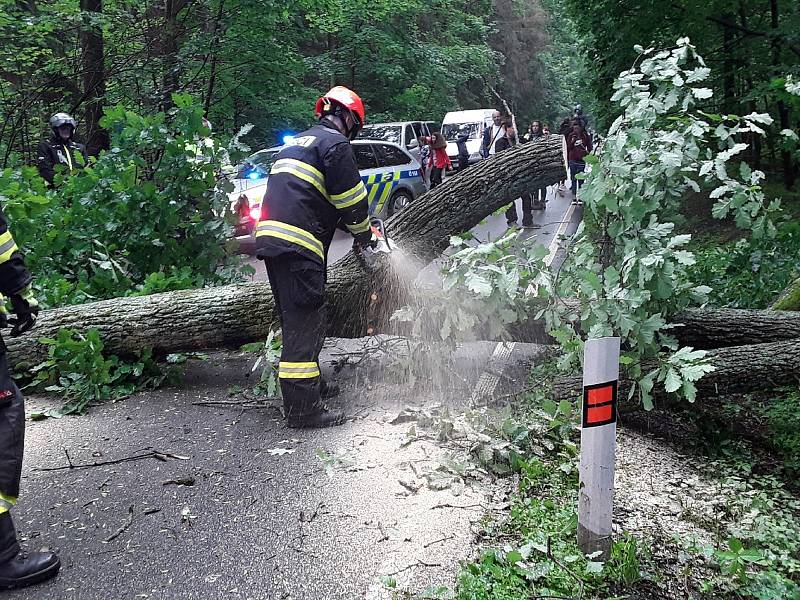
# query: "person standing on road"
60,148
579,144
424,158
503,144
539,195
439,159
577,115
493,133
17,568
564,130
313,186
463,151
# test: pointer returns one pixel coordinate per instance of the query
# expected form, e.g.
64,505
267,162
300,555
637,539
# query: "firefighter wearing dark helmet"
314,185
17,568
60,148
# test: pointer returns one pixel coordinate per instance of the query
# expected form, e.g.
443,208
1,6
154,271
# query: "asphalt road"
238,506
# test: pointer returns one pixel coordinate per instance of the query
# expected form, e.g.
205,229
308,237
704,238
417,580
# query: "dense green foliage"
78,370
144,217
750,272
749,45
266,62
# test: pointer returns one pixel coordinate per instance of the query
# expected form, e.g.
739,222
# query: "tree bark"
738,369
228,316
94,78
705,328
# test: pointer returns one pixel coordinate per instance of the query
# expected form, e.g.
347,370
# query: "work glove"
26,309
366,239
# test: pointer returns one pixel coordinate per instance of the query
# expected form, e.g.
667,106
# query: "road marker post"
598,444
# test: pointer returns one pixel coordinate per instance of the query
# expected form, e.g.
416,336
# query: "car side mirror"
412,144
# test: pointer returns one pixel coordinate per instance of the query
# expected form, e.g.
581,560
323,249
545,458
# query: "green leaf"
672,381
593,567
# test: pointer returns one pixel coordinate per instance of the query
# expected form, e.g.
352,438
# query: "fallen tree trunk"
230,315
705,328
739,369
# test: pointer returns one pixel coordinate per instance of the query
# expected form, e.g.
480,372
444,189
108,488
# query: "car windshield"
257,165
386,133
452,130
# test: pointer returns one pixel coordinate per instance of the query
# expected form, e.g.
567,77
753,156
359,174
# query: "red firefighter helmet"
347,98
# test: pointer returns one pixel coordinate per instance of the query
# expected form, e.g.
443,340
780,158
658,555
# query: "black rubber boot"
328,390
317,420
24,568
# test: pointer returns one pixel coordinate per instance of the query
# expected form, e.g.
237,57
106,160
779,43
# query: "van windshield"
386,133
452,130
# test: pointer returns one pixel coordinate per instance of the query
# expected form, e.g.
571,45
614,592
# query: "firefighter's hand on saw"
365,240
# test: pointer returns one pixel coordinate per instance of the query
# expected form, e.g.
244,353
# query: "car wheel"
399,202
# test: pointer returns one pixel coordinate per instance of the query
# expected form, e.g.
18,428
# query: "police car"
391,174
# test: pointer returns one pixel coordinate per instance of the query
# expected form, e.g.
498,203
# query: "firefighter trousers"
12,440
298,287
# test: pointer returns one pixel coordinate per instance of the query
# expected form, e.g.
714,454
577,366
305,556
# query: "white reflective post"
598,444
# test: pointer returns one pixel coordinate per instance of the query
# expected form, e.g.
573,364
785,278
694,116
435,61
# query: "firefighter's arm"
44,162
347,192
15,282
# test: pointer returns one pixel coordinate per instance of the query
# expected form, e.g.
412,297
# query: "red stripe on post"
600,395
599,414
599,404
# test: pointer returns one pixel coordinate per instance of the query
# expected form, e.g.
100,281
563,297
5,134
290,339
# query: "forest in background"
749,45
266,61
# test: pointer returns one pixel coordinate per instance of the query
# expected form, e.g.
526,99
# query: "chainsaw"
369,257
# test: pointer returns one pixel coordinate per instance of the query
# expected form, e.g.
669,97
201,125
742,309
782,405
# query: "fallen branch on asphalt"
157,454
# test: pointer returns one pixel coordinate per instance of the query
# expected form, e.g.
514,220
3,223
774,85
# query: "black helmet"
59,119
578,109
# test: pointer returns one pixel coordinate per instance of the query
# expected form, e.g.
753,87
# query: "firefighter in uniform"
60,149
314,185
17,568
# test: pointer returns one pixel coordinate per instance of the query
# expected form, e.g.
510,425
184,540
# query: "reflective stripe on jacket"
313,184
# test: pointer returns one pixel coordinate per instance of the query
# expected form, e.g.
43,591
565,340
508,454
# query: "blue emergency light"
288,139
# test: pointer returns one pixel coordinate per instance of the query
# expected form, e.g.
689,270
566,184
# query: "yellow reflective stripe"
302,170
359,227
350,197
69,158
290,233
298,370
7,246
386,192
6,502
374,187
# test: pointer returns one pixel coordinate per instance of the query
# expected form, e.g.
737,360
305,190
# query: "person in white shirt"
493,133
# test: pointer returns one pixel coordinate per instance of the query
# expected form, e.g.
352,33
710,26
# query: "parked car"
403,133
472,122
391,174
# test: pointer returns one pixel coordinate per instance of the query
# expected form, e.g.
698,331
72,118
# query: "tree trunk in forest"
738,369
789,173
94,78
212,78
704,328
169,47
230,315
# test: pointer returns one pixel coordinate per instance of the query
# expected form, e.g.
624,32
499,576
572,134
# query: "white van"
472,121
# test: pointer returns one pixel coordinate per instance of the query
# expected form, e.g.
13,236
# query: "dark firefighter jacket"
313,184
14,275
54,152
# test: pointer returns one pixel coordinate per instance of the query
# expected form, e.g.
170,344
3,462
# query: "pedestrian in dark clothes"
463,152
